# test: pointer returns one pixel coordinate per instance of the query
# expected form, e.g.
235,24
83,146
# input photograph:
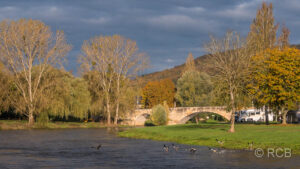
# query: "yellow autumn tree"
276,79
156,92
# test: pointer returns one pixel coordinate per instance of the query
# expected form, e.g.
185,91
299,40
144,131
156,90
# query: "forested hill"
175,72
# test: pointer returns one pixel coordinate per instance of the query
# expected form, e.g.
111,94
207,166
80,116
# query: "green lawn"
206,134
22,124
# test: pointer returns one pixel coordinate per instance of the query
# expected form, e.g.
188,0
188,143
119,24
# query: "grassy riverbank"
22,124
272,136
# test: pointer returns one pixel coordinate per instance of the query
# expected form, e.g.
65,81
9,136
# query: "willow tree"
229,63
115,59
193,89
5,81
67,96
97,103
25,44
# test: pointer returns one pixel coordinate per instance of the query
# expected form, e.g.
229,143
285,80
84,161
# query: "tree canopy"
157,92
193,89
276,78
27,45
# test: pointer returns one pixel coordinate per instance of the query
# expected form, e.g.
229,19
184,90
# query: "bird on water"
212,149
166,148
193,150
98,147
175,147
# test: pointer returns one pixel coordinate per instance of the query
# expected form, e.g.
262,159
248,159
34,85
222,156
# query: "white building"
253,115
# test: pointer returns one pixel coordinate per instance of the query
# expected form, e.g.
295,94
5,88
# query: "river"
75,148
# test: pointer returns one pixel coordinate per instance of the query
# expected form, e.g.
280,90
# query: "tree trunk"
108,110
30,110
284,117
30,118
118,102
231,130
267,115
117,114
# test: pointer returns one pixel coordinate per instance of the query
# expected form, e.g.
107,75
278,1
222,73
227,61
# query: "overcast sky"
166,30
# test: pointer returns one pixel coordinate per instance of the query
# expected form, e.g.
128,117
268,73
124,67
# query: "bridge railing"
191,108
202,107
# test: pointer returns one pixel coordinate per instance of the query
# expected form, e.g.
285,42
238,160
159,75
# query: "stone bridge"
178,115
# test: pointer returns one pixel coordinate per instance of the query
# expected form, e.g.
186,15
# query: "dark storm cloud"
165,30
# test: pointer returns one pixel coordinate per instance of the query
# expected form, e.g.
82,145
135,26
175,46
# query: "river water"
73,148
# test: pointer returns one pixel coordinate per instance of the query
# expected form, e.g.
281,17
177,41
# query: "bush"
159,115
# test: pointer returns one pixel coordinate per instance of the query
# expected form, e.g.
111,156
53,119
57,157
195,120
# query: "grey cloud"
165,30
194,10
244,10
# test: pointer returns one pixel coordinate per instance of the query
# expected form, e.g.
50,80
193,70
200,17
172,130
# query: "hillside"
174,73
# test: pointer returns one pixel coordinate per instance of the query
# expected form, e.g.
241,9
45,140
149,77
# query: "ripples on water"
71,148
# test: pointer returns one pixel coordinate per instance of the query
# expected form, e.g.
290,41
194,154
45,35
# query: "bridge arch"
141,118
192,115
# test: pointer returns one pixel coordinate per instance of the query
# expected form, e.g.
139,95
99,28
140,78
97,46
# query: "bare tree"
263,30
97,55
116,59
25,44
283,40
128,61
229,62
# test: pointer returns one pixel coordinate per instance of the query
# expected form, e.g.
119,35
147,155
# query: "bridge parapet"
202,107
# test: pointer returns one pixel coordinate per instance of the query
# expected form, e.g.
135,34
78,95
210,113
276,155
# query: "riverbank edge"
23,125
130,133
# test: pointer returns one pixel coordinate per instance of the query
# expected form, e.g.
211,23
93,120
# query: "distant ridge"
175,72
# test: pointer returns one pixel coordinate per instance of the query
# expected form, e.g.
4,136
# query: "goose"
98,147
218,151
220,142
193,150
175,147
166,148
212,149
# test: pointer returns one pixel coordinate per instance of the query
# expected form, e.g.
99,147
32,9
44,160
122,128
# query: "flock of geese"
192,150
166,148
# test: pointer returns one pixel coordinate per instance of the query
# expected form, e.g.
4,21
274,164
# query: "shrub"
159,115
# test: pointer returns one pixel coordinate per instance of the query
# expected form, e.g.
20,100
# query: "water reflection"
72,148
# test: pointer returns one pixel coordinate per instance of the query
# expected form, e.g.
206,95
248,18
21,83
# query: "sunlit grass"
206,134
